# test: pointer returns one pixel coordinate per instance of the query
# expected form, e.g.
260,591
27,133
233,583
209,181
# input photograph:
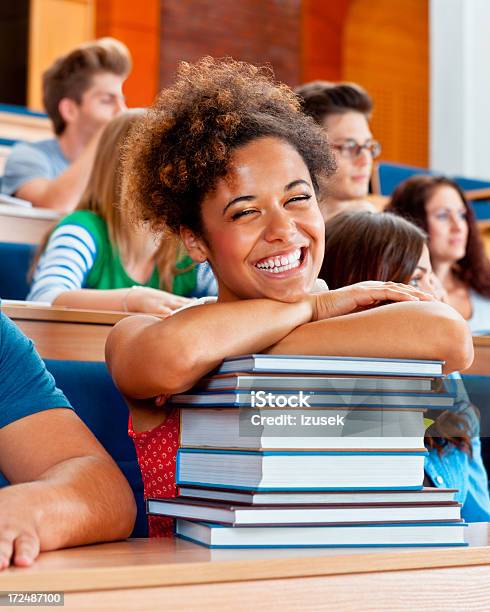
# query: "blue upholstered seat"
15,260
89,387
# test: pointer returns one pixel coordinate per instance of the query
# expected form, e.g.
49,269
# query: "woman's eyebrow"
425,270
246,198
295,183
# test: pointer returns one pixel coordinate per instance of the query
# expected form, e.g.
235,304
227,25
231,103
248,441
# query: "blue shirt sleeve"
24,164
26,387
206,284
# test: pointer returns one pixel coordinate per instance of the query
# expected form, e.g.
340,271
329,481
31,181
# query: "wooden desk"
64,333
481,363
27,225
175,575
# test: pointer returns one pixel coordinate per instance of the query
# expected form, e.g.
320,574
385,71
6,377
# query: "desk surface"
64,333
32,311
169,562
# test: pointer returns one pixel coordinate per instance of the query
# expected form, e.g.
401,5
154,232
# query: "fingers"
26,550
6,548
176,301
20,549
162,310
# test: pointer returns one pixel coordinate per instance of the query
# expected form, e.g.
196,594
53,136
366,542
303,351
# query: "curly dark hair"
175,156
409,200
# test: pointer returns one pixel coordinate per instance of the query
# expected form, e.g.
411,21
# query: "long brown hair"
102,196
409,201
361,246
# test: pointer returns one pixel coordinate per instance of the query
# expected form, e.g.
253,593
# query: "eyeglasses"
351,149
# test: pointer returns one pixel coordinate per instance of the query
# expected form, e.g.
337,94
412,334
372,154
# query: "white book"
303,470
425,495
315,382
351,399
359,429
430,534
313,364
236,515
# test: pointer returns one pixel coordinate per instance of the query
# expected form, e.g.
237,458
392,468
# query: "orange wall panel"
322,39
386,49
138,26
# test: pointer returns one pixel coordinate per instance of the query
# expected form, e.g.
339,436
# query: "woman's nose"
280,225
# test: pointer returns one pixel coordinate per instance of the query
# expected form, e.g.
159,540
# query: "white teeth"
292,257
281,263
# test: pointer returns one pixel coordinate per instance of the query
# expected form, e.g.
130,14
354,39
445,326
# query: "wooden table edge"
205,572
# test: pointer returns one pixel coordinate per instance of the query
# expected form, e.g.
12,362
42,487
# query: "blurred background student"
383,247
438,206
96,258
82,92
344,109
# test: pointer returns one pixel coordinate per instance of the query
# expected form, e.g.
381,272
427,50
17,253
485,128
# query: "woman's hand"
146,299
360,296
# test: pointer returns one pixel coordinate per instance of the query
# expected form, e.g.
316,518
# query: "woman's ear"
195,246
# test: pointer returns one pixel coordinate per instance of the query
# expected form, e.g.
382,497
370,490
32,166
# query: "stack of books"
294,451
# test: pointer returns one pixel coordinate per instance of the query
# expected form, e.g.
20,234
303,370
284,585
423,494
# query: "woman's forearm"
93,299
427,330
181,349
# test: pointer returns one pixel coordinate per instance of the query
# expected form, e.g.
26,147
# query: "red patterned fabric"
157,451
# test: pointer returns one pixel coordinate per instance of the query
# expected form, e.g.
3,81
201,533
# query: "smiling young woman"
437,205
226,159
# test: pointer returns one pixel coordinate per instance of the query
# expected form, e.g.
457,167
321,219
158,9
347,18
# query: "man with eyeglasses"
344,109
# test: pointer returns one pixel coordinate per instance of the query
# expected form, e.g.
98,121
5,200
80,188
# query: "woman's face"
263,231
423,276
447,225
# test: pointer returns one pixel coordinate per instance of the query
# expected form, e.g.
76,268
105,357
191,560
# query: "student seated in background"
344,109
96,258
64,489
439,207
383,247
82,92
226,158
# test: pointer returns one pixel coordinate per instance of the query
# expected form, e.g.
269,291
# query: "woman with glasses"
438,206
344,109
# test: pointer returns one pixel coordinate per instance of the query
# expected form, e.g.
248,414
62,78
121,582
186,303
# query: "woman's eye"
414,281
300,198
242,213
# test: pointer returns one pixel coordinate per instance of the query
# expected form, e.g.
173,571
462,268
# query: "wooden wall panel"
55,27
136,24
322,28
386,49
257,31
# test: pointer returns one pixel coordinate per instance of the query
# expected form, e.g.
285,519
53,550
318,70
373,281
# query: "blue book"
315,364
214,535
301,470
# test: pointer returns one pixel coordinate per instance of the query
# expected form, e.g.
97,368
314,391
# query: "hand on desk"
20,540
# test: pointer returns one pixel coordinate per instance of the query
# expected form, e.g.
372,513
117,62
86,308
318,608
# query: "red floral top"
156,450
